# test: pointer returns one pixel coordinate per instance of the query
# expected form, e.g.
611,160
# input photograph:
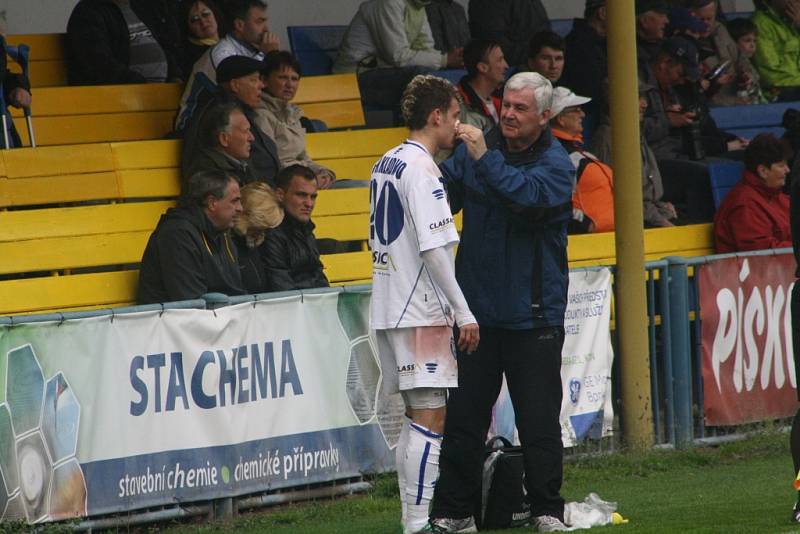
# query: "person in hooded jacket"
190,252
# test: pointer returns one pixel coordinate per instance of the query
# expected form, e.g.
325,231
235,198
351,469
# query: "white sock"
421,467
400,458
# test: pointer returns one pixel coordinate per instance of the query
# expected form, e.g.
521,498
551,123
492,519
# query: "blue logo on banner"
574,390
587,424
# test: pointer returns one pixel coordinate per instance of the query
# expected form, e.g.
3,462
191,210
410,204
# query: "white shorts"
417,357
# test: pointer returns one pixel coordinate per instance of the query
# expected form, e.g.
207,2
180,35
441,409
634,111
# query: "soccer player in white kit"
415,296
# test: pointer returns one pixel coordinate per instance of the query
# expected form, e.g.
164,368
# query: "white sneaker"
447,525
548,523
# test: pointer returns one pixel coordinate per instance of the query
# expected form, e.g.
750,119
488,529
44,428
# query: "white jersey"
409,214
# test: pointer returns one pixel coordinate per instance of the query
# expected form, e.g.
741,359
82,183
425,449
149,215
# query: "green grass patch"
740,487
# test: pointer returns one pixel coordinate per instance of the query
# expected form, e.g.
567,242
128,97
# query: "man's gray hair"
541,86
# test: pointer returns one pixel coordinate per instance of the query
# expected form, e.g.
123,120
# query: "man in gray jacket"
389,42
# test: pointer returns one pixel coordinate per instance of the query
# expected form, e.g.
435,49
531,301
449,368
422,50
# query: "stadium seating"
723,176
749,121
47,60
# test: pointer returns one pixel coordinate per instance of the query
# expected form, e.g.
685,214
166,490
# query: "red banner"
748,361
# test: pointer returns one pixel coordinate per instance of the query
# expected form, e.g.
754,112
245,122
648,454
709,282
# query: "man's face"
775,175
282,83
520,120
549,62
651,25
248,89
251,30
669,73
237,139
642,107
447,126
571,120
299,198
707,14
495,66
223,211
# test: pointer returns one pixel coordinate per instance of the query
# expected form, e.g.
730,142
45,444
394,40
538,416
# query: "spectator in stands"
16,92
546,55
449,25
123,41
593,196
586,56
754,215
203,21
745,33
515,187
387,43
249,36
651,23
290,251
718,49
486,70
281,120
223,143
509,22
680,130
777,56
261,212
239,79
190,252
657,212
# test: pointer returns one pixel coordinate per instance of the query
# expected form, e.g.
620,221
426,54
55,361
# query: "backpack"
502,499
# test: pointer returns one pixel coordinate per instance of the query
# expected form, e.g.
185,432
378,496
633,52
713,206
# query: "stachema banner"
117,413
586,360
747,356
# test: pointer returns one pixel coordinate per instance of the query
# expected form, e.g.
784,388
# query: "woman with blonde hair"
261,212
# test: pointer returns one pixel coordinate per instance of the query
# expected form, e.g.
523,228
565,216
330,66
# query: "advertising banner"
586,360
748,360
117,413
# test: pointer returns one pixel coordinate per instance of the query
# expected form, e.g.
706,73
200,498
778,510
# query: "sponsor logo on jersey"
431,367
382,261
441,225
438,193
406,368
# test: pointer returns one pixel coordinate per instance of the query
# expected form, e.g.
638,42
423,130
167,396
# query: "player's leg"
421,463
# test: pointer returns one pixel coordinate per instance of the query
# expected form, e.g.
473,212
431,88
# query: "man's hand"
678,118
455,58
20,98
472,138
325,179
792,12
269,42
737,144
673,213
468,337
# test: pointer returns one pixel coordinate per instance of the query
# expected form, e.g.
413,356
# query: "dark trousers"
531,361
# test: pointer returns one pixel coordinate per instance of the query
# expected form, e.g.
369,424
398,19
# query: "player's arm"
438,262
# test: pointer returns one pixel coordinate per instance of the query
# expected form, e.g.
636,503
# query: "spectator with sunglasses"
203,29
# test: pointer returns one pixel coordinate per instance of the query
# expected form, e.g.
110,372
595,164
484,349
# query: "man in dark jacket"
511,22
123,41
651,24
586,57
290,251
190,252
515,187
239,81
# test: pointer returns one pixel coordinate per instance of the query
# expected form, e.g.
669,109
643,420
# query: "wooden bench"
47,62
107,113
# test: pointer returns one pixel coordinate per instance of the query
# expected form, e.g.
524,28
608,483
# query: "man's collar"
495,140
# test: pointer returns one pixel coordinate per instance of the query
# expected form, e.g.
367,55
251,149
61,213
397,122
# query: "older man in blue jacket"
515,187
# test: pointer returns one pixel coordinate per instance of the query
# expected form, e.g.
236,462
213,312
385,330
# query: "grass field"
742,487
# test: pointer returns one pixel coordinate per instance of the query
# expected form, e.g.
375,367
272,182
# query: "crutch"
20,54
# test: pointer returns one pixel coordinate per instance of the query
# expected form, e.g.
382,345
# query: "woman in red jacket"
755,214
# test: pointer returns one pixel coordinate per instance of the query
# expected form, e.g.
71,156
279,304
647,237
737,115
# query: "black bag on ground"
502,501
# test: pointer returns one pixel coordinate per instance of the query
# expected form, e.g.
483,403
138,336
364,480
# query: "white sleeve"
438,261
434,222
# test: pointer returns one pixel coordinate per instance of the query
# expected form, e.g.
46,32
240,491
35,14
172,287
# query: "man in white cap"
593,196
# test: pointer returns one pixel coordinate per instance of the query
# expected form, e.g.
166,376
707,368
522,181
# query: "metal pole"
681,350
631,297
